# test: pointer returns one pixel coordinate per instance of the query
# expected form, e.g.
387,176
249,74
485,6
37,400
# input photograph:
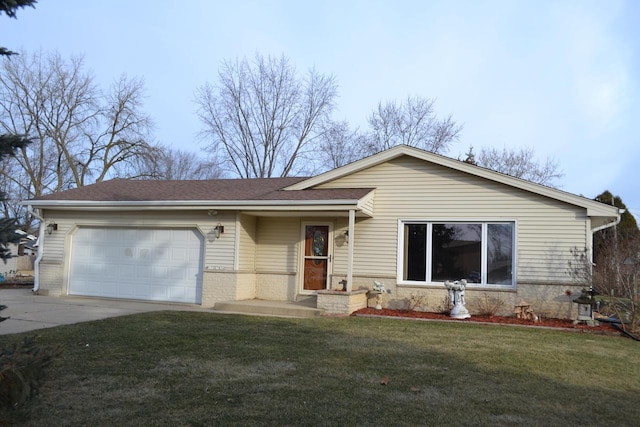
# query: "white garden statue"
379,289
456,298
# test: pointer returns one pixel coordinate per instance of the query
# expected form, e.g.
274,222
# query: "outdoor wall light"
215,232
342,239
218,230
51,226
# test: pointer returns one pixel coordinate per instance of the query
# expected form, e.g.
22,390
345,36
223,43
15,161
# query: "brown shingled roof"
214,190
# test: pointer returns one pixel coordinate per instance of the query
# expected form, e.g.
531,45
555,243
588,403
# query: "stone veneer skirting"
341,302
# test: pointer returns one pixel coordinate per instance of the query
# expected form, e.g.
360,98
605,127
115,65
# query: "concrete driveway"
29,312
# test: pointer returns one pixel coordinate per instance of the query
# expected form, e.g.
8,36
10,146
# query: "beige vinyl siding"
247,249
54,243
341,247
368,204
277,240
410,189
219,254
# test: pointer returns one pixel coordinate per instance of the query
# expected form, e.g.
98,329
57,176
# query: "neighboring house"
28,246
21,259
404,217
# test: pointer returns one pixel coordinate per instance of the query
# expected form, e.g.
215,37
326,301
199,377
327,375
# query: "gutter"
36,264
610,224
193,204
343,205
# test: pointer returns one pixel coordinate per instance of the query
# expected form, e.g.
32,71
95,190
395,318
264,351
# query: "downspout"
36,264
607,225
610,224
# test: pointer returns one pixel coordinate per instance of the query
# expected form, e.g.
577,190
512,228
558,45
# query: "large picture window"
481,252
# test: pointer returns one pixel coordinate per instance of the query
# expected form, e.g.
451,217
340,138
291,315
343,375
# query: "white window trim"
429,222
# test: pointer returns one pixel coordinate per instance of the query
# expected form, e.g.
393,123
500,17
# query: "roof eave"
274,205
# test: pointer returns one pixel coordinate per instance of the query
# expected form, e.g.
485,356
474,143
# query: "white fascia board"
604,210
195,205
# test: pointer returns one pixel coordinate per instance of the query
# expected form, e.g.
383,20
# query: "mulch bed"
16,286
17,282
603,328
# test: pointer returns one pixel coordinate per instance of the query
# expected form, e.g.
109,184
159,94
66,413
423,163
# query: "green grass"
197,369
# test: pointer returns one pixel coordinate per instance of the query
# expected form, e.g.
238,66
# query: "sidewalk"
29,312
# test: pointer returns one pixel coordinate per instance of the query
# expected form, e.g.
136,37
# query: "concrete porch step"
304,308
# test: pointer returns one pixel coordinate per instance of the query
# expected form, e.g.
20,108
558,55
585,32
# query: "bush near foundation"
487,305
416,302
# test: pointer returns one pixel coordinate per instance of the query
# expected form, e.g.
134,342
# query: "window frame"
429,251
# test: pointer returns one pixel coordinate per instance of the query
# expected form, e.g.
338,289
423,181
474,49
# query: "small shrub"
22,368
416,301
487,305
445,305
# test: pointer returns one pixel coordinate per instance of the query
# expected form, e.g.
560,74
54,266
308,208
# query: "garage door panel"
161,254
123,291
139,291
149,264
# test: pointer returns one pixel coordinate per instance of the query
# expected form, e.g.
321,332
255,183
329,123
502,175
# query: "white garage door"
137,263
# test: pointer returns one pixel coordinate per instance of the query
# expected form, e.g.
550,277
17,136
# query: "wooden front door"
316,257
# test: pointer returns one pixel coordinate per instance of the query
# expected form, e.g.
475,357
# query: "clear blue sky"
562,77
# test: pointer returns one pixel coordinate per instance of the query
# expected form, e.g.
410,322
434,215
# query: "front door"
317,256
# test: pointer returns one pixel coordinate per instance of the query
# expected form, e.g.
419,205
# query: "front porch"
326,302
305,308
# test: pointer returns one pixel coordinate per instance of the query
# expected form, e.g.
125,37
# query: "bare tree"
261,117
80,133
520,163
339,145
172,164
119,138
413,123
616,277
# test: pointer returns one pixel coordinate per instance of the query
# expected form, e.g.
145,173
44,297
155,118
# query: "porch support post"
352,223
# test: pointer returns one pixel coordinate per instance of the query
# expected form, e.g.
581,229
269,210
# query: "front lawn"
200,369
